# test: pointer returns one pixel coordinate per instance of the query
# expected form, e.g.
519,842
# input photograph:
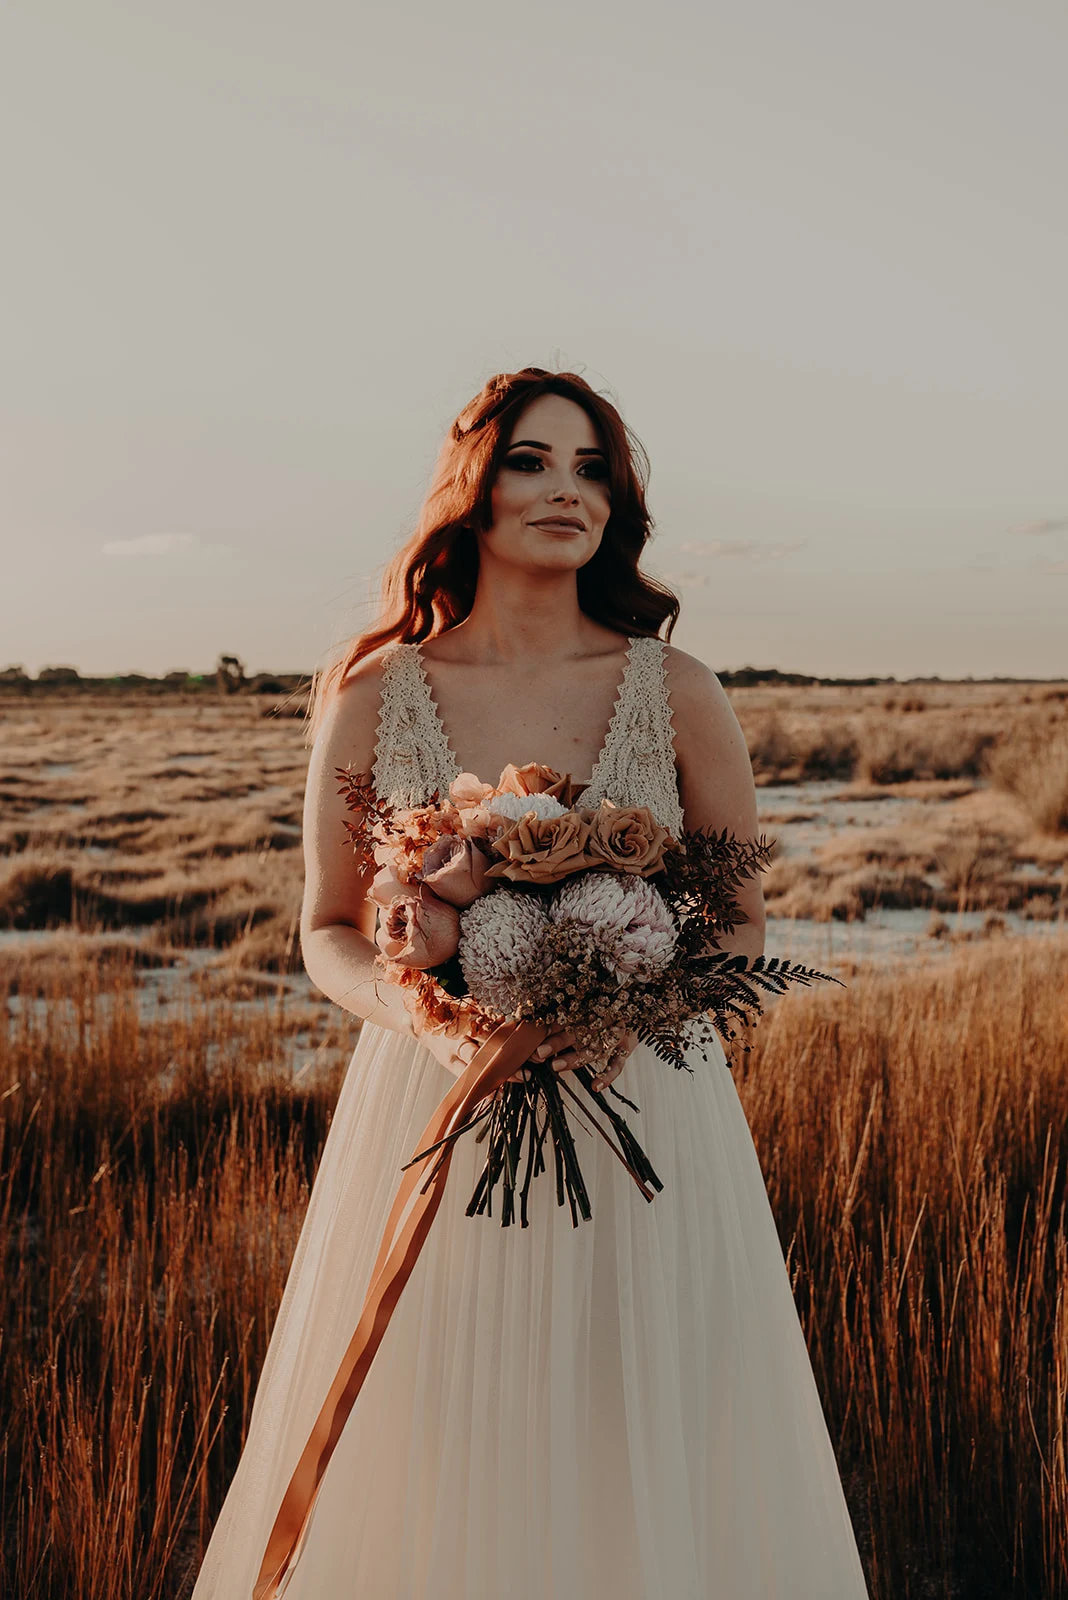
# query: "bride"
619,1411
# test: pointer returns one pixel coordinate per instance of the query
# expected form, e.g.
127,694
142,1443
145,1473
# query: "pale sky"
257,254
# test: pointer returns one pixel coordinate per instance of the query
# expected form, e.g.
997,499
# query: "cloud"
685,580
740,549
1048,525
151,544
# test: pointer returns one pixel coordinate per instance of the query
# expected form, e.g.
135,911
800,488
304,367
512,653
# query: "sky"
256,255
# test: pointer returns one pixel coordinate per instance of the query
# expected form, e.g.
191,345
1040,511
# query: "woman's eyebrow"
535,444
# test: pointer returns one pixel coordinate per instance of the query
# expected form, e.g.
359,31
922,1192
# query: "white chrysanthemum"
499,934
514,806
628,908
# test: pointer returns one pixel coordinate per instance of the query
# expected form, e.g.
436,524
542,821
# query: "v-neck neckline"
613,721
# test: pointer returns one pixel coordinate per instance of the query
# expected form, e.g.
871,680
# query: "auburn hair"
429,586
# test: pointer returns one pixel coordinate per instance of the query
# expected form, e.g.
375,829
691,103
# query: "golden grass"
1032,765
156,1153
155,1166
179,815
936,731
913,1132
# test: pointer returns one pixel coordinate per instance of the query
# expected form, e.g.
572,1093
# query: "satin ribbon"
495,1061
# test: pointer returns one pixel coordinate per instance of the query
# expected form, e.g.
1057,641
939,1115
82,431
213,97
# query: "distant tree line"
228,678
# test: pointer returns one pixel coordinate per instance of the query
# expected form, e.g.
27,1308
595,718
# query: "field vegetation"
981,774
167,1078
178,817
155,1163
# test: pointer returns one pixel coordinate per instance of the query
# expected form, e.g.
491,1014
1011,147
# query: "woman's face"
550,500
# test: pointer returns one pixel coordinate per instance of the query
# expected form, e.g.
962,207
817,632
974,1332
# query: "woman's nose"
563,493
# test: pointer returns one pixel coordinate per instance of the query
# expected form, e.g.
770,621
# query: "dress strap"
412,755
637,765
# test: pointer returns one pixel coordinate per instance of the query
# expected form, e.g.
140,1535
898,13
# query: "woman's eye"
594,469
525,463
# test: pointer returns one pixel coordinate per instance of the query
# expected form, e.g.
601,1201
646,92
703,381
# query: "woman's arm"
715,776
337,920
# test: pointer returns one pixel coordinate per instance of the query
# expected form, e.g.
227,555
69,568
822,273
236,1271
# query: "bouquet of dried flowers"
508,901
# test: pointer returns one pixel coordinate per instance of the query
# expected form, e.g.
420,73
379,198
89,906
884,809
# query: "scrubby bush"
1032,766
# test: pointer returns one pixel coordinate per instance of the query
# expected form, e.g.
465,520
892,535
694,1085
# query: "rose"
387,885
418,930
467,790
455,870
628,839
542,849
469,796
535,779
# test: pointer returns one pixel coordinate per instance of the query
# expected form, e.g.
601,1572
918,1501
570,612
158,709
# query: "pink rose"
469,795
418,930
467,790
455,869
387,886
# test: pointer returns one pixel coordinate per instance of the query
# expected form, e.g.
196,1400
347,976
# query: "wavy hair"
429,586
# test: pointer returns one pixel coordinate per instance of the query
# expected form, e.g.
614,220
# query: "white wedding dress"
619,1411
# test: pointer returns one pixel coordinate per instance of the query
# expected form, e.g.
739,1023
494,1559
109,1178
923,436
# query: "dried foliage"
913,1134
154,1168
1032,766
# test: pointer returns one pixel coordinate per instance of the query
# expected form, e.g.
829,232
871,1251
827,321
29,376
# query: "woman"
625,1409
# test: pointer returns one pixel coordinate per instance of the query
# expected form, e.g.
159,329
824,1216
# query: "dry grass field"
167,1078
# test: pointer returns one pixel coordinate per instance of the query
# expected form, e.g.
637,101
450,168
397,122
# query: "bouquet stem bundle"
515,1125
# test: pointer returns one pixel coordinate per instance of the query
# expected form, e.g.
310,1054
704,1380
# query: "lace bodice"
636,765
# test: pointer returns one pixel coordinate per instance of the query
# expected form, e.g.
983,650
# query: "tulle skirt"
620,1411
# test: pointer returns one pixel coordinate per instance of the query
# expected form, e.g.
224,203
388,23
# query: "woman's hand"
454,1052
561,1050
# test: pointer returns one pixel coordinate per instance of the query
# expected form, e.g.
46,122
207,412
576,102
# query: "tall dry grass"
154,1170
937,732
914,1134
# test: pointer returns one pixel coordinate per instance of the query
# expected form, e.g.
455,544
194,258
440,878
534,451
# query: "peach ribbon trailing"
495,1060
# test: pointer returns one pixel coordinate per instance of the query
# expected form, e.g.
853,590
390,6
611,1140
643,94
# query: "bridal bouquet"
507,901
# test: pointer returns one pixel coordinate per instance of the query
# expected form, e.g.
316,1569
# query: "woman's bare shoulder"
349,724
696,693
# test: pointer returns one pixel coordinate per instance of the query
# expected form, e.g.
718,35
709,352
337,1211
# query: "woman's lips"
560,525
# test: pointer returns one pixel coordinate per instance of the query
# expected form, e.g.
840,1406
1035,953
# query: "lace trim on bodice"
636,765
412,754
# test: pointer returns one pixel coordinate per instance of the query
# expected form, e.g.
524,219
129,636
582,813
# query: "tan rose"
535,779
418,930
628,839
455,870
542,850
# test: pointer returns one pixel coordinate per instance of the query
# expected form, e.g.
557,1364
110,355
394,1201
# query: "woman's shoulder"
691,680
352,712
700,706
364,677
